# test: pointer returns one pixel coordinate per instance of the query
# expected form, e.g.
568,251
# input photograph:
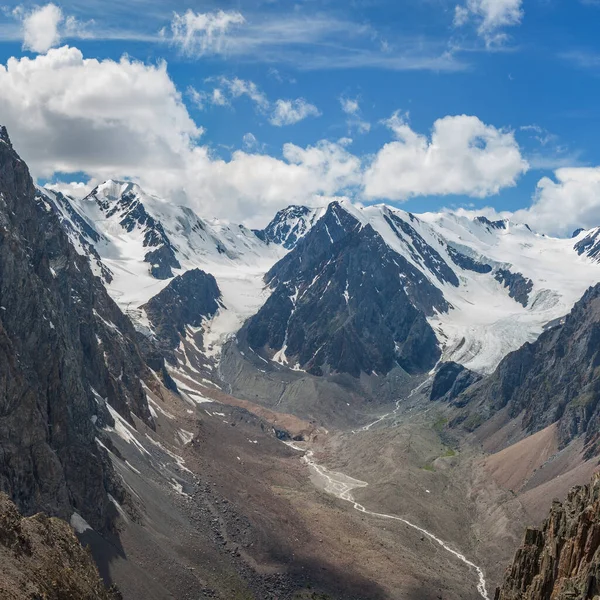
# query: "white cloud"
41,28
462,156
77,189
281,112
237,88
250,142
490,16
569,201
74,114
199,34
351,106
289,112
297,38
125,119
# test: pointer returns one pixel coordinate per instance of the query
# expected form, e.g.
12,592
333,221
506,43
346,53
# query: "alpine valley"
351,403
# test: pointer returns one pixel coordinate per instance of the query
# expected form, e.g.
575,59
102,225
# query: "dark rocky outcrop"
519,287
590,245
343,301
40,557
560,561
554,379
65,350
421,251
500,224
466,262
189,299
451,379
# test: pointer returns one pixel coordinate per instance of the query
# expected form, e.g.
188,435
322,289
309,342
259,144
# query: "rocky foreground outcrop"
40,558
560,561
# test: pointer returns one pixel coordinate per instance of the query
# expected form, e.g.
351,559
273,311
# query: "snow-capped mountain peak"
290,225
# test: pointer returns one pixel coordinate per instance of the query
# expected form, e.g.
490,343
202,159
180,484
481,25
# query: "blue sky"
284,72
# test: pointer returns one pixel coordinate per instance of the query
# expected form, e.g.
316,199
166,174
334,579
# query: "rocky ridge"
561,560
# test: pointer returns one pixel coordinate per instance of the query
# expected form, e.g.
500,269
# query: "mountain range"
154,361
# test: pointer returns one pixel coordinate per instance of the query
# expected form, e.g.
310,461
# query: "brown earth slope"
40,557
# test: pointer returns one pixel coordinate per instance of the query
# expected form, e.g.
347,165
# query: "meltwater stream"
341,486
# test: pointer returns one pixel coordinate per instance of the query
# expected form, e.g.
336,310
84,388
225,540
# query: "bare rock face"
344,302
560,561
189,299
40,557
554,379
66,350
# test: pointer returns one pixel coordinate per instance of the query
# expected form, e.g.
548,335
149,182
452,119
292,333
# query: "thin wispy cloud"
583,59
490,17
307,42
225,90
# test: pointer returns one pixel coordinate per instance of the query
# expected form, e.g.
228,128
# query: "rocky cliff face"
189,299
556,378
560,561
451,379
343,301
40,557
65,351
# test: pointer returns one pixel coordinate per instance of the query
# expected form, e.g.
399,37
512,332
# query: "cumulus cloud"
289,112
43,27
74,114
126,119
462,156
350,106
569,201
199,34
490,17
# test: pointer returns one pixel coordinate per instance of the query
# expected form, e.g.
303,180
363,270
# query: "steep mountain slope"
561,560
181,309
66,354
484,287
554,379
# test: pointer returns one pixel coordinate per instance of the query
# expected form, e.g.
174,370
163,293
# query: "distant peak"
4,137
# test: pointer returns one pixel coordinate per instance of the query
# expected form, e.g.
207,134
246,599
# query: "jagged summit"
290,225
4,137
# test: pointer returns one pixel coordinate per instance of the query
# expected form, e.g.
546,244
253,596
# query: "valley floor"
219,507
